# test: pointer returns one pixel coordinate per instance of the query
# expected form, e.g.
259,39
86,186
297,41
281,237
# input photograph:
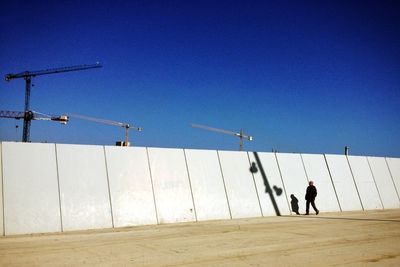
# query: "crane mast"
240,134
27,76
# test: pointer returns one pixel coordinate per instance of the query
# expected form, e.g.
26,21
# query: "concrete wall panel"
274,180
1,193
365,183
294,178
317,171
172,191
207,185
239,182
343,182
131,188
85,201
31,200
384,183
394,167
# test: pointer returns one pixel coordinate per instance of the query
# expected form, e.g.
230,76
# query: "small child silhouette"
295,204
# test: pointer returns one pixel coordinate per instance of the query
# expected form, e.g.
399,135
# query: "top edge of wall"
207,149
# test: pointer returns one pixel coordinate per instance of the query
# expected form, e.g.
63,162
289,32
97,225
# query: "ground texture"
331,239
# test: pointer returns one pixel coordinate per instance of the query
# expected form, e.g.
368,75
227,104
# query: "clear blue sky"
300,76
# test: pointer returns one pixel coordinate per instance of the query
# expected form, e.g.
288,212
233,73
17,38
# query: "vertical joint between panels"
152,185
59,189
333,184
190,184
376,185
354,181
283,183
391,175
255,186
223,180
304,167
108,187
2,188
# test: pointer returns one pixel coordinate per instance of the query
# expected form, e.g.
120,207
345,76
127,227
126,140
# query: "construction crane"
109,122
240,134
32,115
27,76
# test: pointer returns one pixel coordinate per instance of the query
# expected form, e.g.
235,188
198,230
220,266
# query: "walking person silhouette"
311,194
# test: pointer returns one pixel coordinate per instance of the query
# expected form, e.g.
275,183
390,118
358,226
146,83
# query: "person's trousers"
312,204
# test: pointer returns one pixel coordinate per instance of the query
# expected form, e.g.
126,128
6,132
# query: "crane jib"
26,74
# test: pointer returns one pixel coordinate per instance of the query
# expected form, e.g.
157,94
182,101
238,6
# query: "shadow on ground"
342,218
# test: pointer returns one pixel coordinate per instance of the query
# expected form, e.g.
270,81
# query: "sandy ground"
330,239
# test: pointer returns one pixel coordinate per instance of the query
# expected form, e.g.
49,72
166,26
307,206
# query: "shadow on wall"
295,204
268,190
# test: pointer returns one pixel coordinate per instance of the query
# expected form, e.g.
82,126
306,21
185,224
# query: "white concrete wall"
51,188
208,187
317,171
172,190
85,200
294,178
366,186
1,192
31,200
131,187
394,167
274,179
240,186
384,182
343,182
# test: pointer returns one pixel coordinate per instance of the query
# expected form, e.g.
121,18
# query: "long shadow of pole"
268,189
343,218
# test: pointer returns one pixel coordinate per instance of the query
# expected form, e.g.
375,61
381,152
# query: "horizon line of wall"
60,187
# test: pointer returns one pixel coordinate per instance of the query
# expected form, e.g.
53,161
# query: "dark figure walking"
311,194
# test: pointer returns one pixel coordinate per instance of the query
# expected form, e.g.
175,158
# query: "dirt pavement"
346,239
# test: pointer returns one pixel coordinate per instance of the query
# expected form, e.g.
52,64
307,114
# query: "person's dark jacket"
311,192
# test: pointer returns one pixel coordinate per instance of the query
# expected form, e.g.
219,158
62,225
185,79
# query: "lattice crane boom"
240,134
109,122
26,74
32,115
